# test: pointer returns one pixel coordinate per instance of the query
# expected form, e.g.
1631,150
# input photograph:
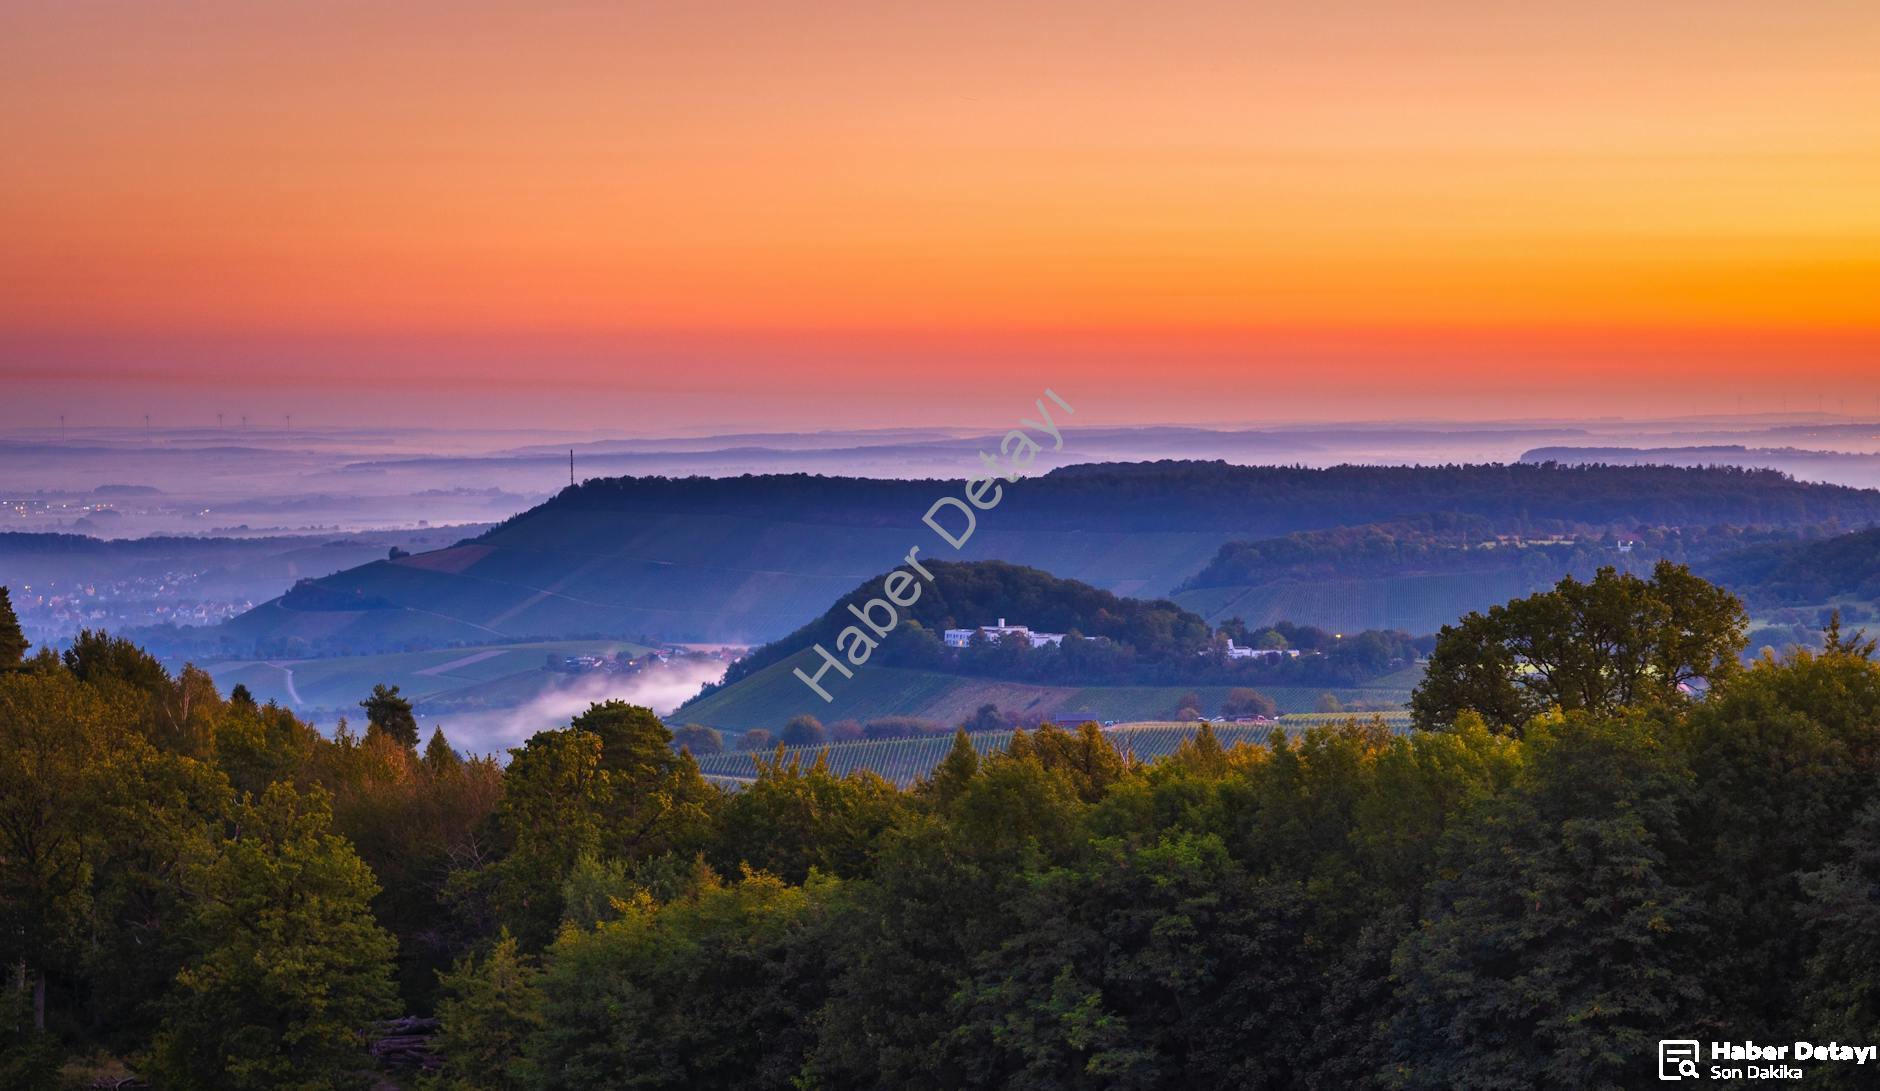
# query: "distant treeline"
1271,499
1446,543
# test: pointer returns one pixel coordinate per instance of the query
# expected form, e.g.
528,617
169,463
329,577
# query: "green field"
495,676
769,698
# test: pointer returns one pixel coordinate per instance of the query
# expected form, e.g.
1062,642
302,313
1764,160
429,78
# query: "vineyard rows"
904,761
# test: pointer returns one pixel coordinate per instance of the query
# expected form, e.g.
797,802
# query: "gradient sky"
842,213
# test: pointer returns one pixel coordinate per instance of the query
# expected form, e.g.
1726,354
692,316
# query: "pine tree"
954,771
439,757
387,712
489,1011
13,643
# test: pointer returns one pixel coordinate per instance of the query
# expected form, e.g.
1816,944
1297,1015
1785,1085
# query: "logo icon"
1677,1059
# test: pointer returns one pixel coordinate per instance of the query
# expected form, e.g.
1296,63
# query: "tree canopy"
1613,642
1530,896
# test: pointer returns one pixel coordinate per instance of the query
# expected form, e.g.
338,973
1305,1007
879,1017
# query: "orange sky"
1195,209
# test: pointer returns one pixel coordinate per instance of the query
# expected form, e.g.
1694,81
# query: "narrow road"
287,673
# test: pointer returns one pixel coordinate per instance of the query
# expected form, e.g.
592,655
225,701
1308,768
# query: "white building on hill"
1235,651
961,638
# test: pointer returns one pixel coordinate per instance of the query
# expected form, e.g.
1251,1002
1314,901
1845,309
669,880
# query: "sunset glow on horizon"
1203,210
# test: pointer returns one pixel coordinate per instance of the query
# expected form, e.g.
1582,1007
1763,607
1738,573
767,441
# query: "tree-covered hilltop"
1526,894
1450,543
1146,495
1110,639
968,595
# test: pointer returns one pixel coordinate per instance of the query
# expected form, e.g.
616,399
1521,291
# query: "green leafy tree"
1615,642
1086,761
1786,752
699,739
1561,939
797,816
391,715
1242,701
1841,916
804,730
290,967
987,718
1164,965
655,800
644,1001
554,796
56,736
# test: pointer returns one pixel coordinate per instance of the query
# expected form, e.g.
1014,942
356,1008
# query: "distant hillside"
1802,573
438,681
1422,574
748,559
64,582
1843,467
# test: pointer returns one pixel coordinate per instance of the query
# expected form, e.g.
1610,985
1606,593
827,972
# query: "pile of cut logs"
406,1044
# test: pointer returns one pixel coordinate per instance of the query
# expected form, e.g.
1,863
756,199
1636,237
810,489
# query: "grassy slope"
773,695
689,577
514,674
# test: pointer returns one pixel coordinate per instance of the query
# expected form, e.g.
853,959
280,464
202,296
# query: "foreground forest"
1638,840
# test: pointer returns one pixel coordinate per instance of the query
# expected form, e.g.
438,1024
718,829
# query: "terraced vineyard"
1396,721
904,761
771,696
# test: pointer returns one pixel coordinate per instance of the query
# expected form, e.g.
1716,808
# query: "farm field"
496,675
769,698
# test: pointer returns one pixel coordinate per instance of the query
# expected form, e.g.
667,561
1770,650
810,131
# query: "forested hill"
1419,575
1275,499
1798,573
748,559
967,595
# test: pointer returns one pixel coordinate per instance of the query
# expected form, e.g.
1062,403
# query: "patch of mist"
661,688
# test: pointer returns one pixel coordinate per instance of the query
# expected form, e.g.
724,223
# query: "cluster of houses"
611,664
